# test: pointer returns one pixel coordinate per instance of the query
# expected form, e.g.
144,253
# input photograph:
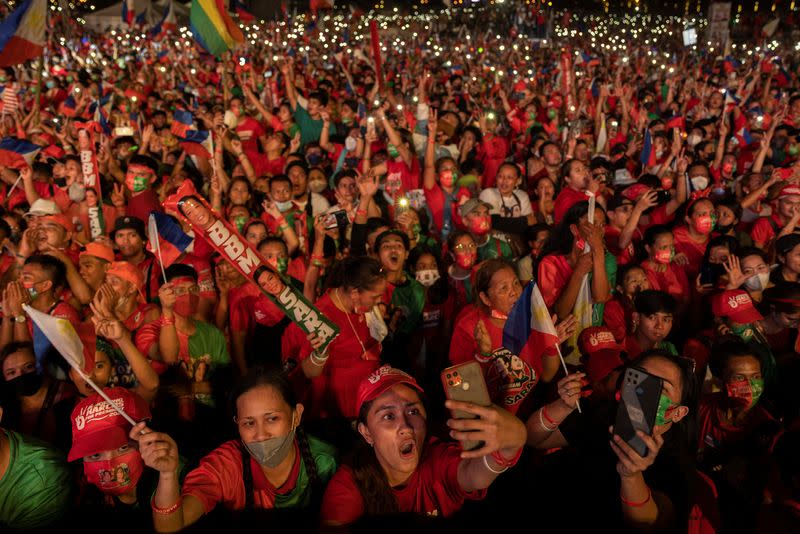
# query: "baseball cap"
635,191
601,352
42,206
126,271
98,250
380,381
789,189
786,243
129,223
59,219
96,425
617,201
471,205
737,305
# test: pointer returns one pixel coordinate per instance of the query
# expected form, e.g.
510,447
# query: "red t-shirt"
263,166
432,490
141,205
62,310
763,232
715,433
567,198
693,250
334,391
218,479
492,152
672,281
249,130
510,378
626,255
409,177
240,307
435,199
616,317
552,278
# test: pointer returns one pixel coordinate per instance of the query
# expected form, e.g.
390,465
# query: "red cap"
789,189
99,250
634,191
737,305
601,352
380,381
128,272
97,427
59,219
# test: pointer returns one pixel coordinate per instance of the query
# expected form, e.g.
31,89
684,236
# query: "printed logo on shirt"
509,377
244,135
431,318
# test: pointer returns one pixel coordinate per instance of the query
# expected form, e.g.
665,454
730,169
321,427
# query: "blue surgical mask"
314,159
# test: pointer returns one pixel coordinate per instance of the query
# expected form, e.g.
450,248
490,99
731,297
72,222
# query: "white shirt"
517,204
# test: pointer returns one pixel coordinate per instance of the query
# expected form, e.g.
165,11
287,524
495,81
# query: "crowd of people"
649,190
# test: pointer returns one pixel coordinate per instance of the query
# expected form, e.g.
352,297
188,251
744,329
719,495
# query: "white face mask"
699,183
377,328
317,186
757,282
350,144
283,206
427,277
693,140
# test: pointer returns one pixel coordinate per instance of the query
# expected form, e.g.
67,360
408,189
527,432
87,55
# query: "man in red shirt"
249,130
579,181
786,206
129,236
139,179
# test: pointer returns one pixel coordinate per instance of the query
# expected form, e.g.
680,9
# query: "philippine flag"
182,122
22,34
166,238
529,331
128,12
198,143
648,155
17,153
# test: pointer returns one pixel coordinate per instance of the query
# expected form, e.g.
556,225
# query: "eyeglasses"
193,290
465,247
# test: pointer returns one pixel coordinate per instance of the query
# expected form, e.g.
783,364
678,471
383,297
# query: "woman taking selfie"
398,467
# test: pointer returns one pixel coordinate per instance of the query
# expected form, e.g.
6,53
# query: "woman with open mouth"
398,467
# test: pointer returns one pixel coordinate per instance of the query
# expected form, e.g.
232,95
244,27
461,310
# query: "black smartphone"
710,273
637,408
336,219
663,196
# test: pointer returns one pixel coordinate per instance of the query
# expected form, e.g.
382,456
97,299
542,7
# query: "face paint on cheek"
666,409
466,260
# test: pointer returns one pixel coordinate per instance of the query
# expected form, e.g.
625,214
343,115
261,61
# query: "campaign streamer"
91,180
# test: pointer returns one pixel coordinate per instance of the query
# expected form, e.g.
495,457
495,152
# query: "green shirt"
494,248
325,460
310,129
410,298
35,490
206,346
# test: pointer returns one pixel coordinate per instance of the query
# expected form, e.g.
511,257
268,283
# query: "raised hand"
497,428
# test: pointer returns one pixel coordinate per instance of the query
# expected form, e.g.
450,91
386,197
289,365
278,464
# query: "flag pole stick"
566,372
14,186
102,393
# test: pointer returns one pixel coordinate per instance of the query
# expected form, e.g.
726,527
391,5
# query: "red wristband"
637,504
167,322
361,212
165,511
503,462
549,420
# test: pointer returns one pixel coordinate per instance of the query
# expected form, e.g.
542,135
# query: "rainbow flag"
212,27
22,34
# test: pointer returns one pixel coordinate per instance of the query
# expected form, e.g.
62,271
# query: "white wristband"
489,467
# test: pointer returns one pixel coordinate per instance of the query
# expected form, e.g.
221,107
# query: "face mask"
699,183
665,410
724,228
350,144
25,385
352,163
347,121
427,277
239,222
744,331
283,206
77,192
186,305
757,282
377,327
728,168
392,150
719,191
779,143
794,150
3,79
480,225
116,476
659,154
447,178
31,290
745,393
317,186
664,257
314,159
60,182
136,183
465,260
703,224
693,139
551,114
667,183
271,452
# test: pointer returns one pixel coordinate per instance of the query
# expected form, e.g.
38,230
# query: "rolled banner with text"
376,52
91,180
189,205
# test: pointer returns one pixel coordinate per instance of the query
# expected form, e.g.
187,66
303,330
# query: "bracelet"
637,504
165,511
541,422
167,322
549,419
361,212
489,467
318,360
499,459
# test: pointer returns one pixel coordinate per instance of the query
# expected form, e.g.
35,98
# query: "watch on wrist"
21,318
